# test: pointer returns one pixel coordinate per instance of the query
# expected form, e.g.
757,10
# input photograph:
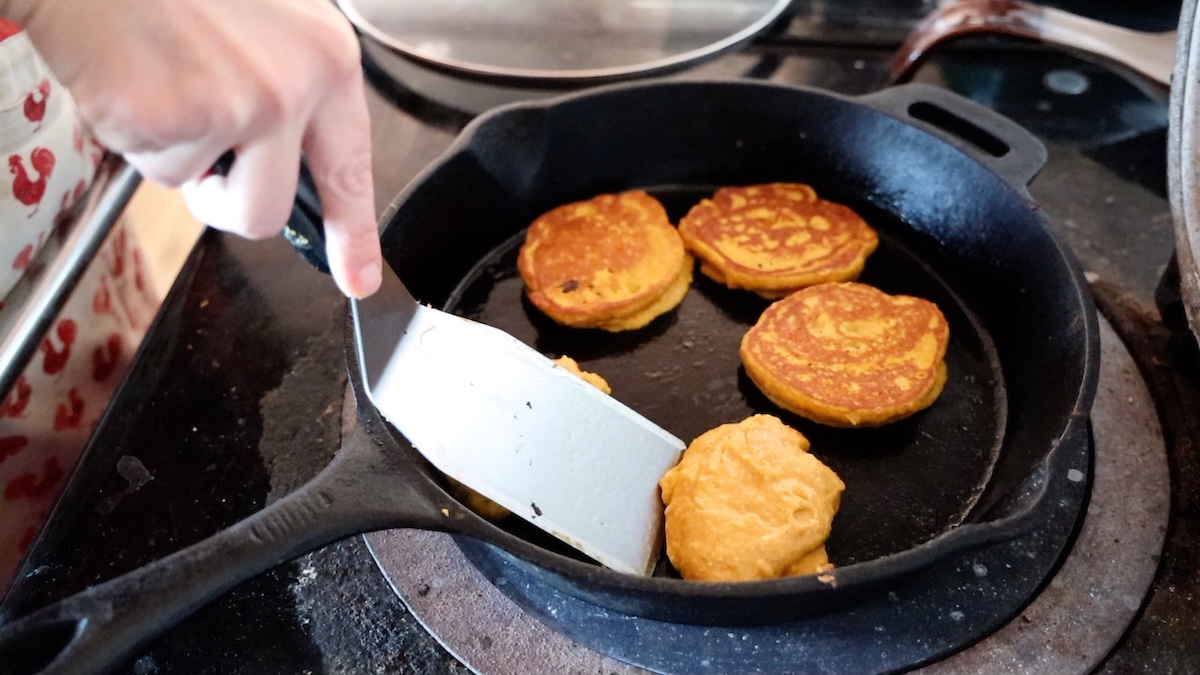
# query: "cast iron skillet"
942,179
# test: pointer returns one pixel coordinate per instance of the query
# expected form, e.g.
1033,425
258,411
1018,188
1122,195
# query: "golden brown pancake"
613,262
776,238
591,378
477,502
748,501
848,354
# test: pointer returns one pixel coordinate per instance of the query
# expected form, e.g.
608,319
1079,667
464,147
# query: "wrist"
18,11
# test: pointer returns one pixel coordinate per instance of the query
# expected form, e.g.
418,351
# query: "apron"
47,417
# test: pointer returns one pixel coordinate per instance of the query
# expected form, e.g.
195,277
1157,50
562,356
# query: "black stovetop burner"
236,395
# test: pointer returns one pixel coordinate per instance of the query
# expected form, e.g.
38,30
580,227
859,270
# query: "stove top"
237,395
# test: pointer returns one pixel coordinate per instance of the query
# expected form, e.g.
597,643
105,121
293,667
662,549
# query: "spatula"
506,421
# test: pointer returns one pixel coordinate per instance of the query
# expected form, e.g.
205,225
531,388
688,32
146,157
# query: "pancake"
477,502
748,501
776,238
612,262
572,366
847,354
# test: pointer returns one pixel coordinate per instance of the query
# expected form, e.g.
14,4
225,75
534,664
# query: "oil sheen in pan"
906,483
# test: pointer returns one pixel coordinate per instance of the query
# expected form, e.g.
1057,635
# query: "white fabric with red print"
49,414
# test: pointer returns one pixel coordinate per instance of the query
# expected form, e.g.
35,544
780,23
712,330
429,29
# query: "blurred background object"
1151,54
578,41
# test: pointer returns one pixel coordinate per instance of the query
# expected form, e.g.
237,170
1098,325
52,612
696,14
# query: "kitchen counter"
237,396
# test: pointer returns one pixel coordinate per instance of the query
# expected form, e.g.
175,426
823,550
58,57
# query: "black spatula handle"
305,228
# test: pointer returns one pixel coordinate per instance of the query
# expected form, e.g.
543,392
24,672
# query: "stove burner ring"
1069,627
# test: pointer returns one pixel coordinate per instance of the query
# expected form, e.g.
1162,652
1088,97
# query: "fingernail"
369,278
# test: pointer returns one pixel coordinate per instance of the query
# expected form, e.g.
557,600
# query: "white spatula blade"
503,419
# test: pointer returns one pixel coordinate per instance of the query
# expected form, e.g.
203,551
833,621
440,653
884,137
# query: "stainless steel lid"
561,42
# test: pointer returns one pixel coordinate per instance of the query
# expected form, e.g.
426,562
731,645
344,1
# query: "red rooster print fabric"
48,415
35,103
49,157
29,185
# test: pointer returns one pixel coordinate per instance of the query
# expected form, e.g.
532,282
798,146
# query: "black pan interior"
920,476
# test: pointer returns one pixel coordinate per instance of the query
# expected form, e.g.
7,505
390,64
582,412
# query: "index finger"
338,146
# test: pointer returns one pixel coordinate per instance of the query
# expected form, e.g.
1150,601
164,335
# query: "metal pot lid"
1183,161
561,42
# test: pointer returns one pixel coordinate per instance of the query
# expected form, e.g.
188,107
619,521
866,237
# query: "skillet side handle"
96,629
985,135
1059,473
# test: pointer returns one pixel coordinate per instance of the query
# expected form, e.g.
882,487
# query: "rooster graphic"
27,190
29,485
17,401
11,445
69,414
55,358
35,103
106,358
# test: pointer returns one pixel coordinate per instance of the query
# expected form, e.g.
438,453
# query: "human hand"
174,85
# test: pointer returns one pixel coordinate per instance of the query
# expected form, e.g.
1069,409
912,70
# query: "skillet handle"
305,228
990,138
96,629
